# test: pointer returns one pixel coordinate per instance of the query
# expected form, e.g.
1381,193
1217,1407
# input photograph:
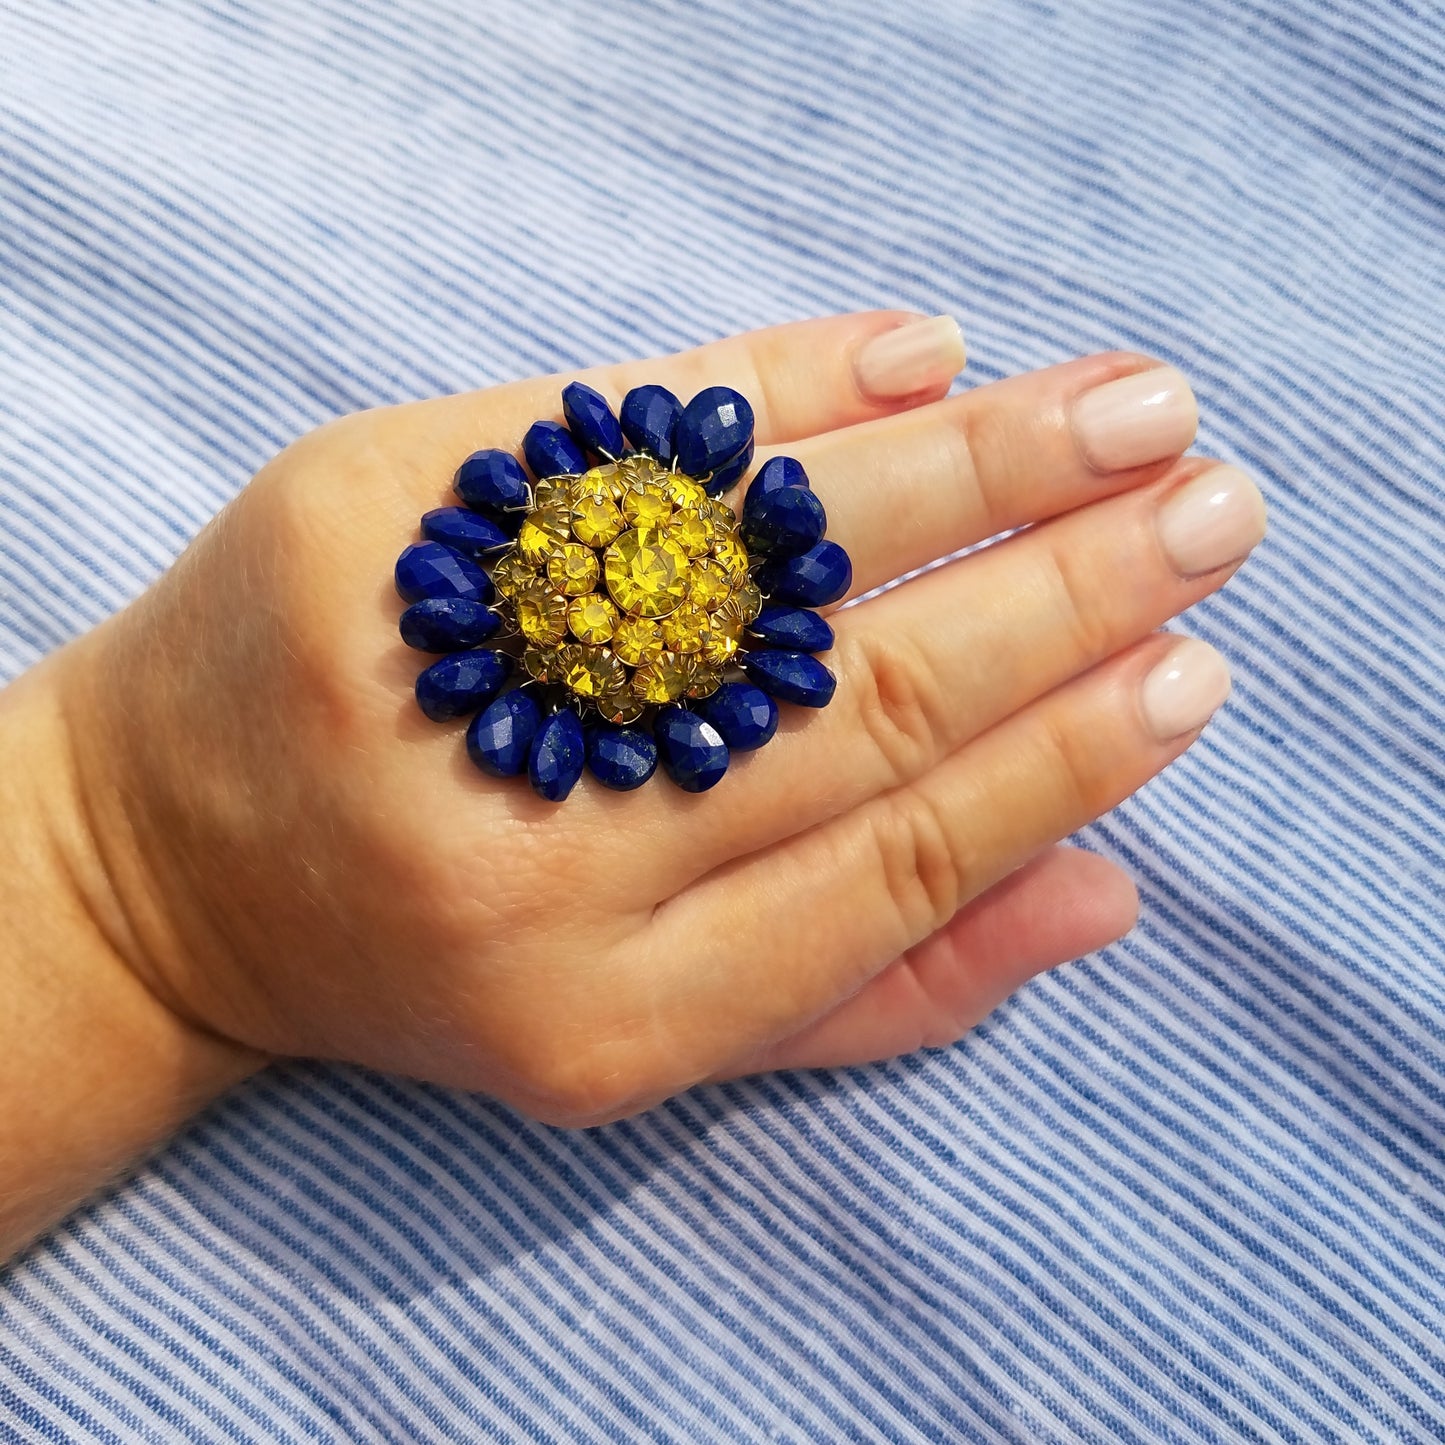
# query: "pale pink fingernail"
1147,417
1217,518
919,356
1185,690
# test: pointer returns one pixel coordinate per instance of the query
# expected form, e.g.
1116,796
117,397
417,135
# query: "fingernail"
1185,690
1217,518
918,356
1143,418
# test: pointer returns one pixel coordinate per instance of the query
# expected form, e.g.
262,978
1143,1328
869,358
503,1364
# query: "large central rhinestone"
646,573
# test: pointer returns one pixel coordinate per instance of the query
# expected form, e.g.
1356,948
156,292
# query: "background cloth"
1189,1189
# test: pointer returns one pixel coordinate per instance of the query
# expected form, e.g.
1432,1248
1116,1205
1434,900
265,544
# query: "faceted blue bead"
715,426
783,522
590,420
558,751
551,451
447,624
463,530
492,481
796,677
725,476
817,577
499,738
620,757
778,472
428,569
691,748
793,628
461,683
744,715
649,421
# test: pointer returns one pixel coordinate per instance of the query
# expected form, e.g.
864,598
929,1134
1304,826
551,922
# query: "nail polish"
918,356
1217,518
1147,417
1184,690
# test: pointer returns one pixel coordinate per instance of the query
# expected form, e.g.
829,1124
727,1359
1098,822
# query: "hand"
303,865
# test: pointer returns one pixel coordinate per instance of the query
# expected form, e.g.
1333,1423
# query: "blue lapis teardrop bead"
551,451
796,677
447,624
744,715
783,522
499,738
778,472
649,421
793,628
725,476
492,481
461,683
691,749
621,757
464,531
558,751
590,420
814,578
428,569
714,428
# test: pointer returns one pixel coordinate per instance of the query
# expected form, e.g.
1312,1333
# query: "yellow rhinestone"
704,680
512,574
720,639
638,468
646,573
664,680
707,584
723,516
682,491
619,707
573,569
592,618
553,492
539,663
599,484
596,521
682,631
541,532
646,508
541,614
690,533
743,605
637,640
730,554
590,671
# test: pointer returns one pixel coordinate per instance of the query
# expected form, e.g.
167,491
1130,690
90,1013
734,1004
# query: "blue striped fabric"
1187,1190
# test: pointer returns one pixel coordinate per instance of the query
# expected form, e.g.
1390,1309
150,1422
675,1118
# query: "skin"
237,839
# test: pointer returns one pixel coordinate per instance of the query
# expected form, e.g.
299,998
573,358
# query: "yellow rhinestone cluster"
629,585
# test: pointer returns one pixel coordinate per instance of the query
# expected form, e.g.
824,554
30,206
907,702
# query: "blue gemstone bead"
783,522
815,578
499,738
725,476
447,624
558,751
551,451
691,748
796,677
715,426
620,757
463,530
492,481
793,628
649,421
461,683
590,420
428,569
744,715
778,472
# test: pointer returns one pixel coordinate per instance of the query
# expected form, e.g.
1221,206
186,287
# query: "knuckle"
924,873
574,1086
1080,600
899,703
1079,783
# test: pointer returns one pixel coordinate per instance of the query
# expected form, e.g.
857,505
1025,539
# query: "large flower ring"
610,612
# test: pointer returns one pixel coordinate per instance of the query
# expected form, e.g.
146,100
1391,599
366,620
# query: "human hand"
306,866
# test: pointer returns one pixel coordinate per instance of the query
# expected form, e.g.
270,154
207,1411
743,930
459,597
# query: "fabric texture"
1186,1190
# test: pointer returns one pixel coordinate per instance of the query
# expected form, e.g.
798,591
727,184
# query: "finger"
907,489
773,941
1059,906
924,668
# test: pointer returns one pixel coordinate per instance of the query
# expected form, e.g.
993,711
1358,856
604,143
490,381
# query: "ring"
609,611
